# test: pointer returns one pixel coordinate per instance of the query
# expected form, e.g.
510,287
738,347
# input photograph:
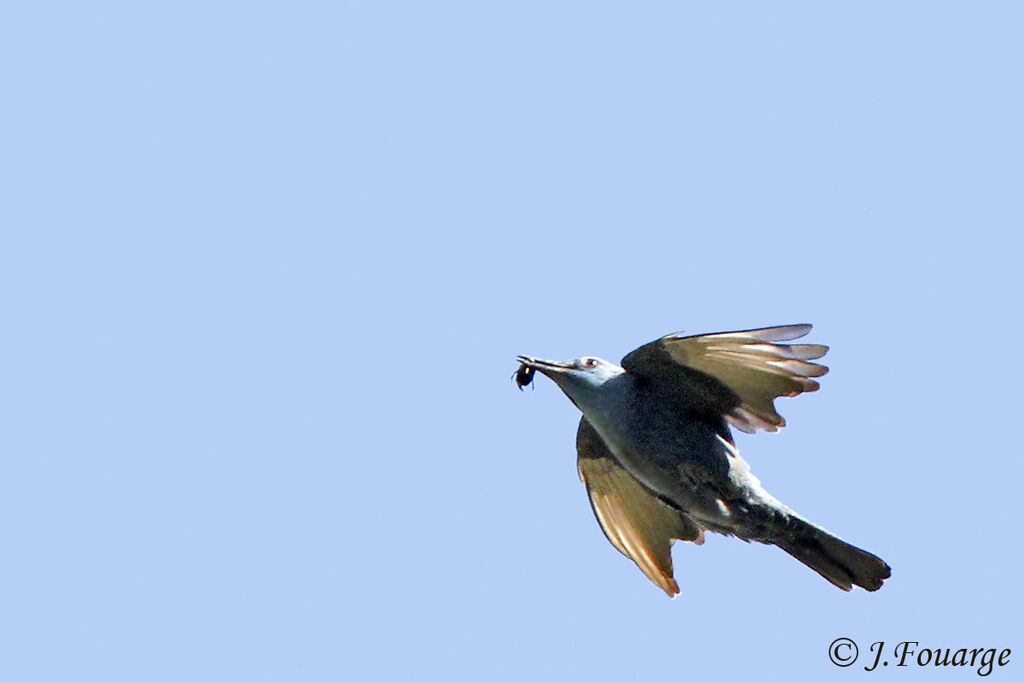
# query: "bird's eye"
590,362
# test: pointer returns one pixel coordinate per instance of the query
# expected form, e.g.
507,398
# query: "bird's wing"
638,523
735,374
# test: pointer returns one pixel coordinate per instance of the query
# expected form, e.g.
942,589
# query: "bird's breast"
681,457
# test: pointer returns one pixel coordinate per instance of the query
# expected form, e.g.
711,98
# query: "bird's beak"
545,366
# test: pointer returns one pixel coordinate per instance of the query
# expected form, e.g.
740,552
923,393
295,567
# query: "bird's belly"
685,461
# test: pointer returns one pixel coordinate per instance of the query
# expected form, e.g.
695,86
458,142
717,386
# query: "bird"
657,456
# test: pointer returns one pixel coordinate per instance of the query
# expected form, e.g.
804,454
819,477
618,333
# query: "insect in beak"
523,376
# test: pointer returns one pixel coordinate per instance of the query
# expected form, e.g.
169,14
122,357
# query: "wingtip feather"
781,332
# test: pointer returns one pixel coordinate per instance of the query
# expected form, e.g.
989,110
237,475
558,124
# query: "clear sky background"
265,268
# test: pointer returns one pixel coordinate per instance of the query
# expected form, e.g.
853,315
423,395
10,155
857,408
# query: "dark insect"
523,376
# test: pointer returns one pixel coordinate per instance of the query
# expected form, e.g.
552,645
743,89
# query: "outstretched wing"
735,374
638,523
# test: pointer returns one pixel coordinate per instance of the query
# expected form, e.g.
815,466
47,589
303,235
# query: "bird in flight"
658,459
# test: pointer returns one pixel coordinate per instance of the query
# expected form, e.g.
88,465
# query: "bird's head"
581,379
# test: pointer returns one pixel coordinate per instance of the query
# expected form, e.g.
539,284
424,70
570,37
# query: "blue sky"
265,269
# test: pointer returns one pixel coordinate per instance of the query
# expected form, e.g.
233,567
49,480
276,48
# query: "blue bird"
658,459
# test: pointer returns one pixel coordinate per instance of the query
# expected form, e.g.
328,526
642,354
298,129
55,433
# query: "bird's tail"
835,559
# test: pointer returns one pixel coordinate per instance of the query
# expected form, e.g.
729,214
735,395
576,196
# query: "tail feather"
841,563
